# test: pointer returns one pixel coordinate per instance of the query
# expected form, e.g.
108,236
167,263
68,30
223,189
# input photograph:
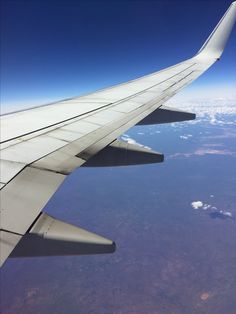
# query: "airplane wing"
41,146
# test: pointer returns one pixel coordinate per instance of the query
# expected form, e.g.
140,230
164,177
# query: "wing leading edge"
41,146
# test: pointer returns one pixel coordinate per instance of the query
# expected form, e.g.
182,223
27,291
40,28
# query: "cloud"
216,110
206,206
197,204
221,215
213,145
206,151
202,151
128,139
214,211
227,214
186,136
226,134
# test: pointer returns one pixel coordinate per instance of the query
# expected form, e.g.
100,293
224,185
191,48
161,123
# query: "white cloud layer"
215,111
204,151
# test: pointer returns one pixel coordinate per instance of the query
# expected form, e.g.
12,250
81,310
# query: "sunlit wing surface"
43,145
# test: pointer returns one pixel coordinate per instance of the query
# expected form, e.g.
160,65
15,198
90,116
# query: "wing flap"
8,241
23,198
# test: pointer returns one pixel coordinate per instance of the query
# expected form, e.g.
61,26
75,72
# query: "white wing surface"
42,145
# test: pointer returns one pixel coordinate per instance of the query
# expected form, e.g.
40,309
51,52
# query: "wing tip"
216,42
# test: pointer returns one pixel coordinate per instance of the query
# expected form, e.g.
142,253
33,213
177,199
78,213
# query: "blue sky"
57,49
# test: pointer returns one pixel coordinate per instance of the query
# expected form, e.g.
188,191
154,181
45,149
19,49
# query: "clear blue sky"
57,49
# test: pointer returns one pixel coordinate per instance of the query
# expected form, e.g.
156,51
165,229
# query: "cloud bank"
213,211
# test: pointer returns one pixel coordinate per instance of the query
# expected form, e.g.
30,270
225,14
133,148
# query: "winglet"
215,44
